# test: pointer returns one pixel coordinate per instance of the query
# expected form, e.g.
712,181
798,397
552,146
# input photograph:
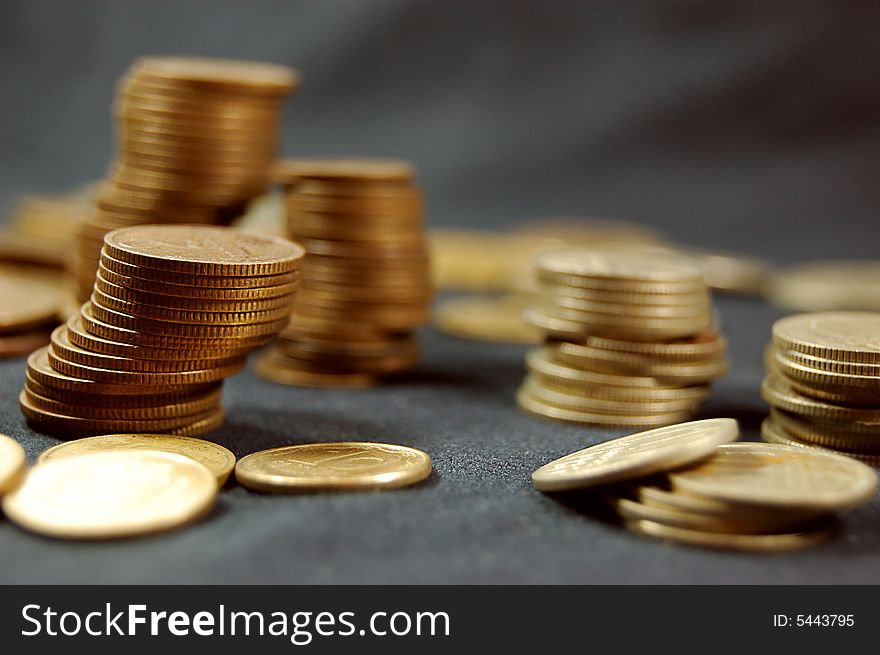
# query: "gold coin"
744,542
542,360
346,171
693,394
219,460
850,437
838,336
201,281
12,463
596,404
826,285
221,75
773,475
344,466
485,319
276,367
706,345
610,362
203,250
97,409
637,455
112,494
846,384
26,301
534,405
779,392
773,433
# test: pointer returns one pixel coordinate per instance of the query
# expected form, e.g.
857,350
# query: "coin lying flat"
636,455
344,466
12,463
774,475
745,542
111,495
219,460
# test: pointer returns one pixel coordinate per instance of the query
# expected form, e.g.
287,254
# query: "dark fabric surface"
748,126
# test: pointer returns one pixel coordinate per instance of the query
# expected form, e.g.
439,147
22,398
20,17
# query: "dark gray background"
752,126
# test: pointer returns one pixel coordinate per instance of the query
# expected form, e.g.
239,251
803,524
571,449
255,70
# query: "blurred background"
750,126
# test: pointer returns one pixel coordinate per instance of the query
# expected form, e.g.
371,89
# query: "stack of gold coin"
175,310
631,340
823,383
687,483
365,277
29,304
197,139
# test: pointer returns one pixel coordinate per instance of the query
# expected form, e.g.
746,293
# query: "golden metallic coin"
850,437
637,455
826,285
631,510
26,300
542,360
686,395
838,336
216,75
219,460
773,433
12,463
744,542
648,271
583,402
485,319
831,365
96,408
112,495
346,171
779,392
846,384
203,250
706,345
773,475
603,361
277,367
345,466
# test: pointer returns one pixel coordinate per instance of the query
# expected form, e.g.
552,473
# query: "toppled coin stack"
29,305
687,483
175,310
197,140
823,383
631,340
365,278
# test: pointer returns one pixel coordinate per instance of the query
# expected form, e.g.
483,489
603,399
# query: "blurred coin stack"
823,383
631,339
175,310
365,279
30,300
197,140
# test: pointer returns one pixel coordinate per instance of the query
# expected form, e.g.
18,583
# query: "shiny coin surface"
219,460
636,455
838,336
345,466
744,542
774,475
112,494
12,463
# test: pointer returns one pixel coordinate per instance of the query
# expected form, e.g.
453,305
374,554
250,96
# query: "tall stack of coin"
631,339
365,280
823,383
197,139
175,310
688,483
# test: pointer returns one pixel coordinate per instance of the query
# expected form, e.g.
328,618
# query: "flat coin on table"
776,475
219,460
344,466
112,495
636,455
816,534
12,463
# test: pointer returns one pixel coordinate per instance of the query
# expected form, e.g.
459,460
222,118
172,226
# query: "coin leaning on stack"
688,483
631,340
175,310
365,278
197,140
823,383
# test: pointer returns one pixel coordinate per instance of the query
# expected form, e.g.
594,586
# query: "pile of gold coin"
197,140
365,278
30,301
631,339
688,483
823,383
175,310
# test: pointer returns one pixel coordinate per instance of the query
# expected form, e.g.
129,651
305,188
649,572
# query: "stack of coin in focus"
823,383
688,483
197,139
631,339
365,279
174,311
